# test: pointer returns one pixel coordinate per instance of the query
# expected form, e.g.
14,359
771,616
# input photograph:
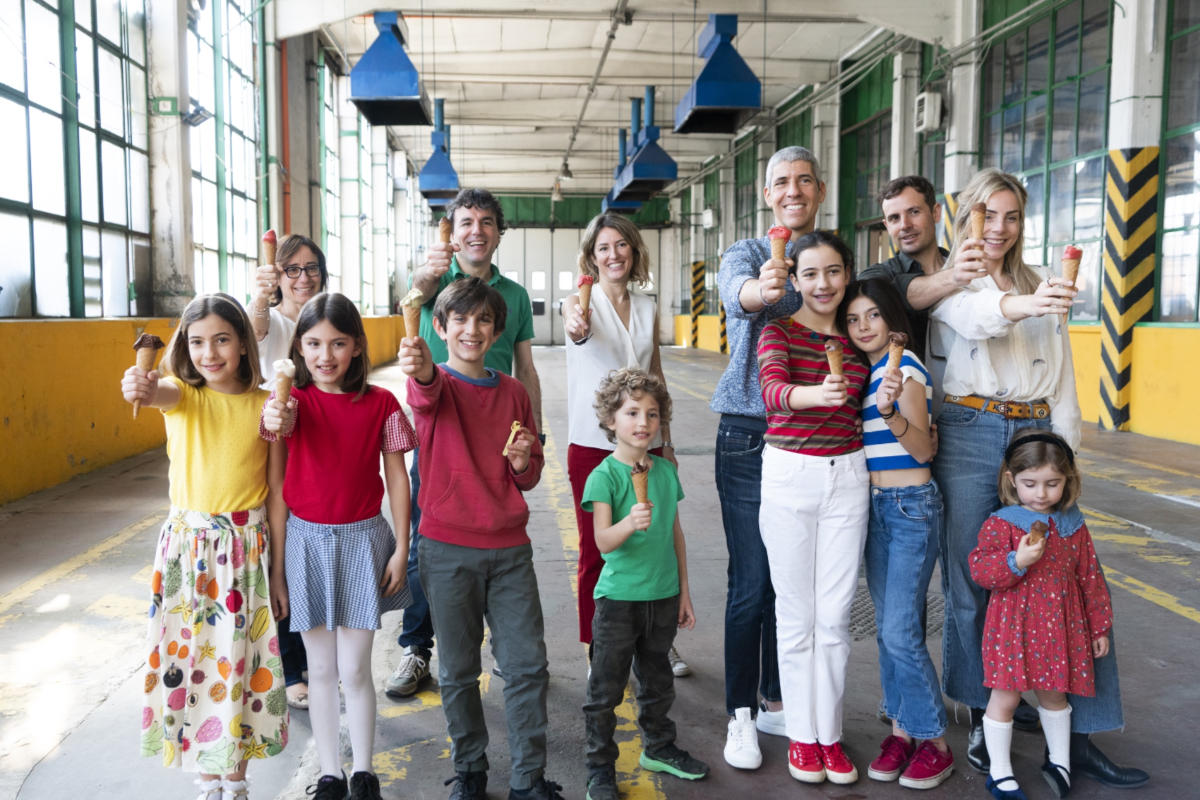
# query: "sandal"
1059,778
297,695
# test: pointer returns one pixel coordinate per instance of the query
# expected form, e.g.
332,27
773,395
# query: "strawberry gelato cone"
1072,255
145,353
585,292
779,236
978,213
285,376
268,246
640,473
834,352
411,306
1037,532
897,341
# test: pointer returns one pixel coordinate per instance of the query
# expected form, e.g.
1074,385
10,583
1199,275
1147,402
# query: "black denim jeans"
625,632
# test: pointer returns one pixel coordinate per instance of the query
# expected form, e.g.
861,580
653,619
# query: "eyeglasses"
311,270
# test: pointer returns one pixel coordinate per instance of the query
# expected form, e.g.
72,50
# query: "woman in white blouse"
619,330
1008,367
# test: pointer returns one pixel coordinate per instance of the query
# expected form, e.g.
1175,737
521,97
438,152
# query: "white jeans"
813,521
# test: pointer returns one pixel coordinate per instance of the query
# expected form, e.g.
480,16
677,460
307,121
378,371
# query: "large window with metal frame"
330,169
711,240
1045,114
1179,271
686,221
221,43
74,193
866,163
745,194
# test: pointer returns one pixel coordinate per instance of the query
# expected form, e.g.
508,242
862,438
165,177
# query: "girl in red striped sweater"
813,517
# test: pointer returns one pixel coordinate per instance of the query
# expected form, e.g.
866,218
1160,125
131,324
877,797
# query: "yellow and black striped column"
949,209
1127,289
697,300
724,339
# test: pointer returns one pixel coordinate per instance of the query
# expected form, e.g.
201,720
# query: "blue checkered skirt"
333,574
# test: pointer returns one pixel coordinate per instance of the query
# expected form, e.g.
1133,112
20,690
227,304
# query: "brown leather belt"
1003,408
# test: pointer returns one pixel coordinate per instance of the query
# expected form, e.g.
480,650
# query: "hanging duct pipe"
438,181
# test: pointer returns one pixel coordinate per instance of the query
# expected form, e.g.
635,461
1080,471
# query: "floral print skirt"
214,688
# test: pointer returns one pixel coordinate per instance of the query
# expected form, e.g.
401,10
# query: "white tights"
345,655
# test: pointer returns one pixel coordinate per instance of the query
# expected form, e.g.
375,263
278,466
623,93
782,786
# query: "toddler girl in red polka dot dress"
1049,614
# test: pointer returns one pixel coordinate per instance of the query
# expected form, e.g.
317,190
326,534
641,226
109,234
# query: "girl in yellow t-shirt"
214,689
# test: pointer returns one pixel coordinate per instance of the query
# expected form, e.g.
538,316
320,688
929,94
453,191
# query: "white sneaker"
741,742
770,722
678,666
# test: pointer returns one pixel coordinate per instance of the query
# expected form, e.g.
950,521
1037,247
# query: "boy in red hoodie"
476,559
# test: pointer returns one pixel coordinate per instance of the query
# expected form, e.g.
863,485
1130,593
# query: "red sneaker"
838,767
929,767
804,762
894,753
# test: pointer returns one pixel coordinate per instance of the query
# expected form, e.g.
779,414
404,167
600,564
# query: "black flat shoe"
1026,718
1059,778
1087,759
1005,794
977,754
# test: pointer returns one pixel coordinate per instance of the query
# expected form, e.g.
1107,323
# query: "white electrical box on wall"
927,112
707,218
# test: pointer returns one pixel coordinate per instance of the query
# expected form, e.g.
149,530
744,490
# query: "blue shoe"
1059,778
1005,794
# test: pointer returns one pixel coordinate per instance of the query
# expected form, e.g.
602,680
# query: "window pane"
116,275
85,78
1183,105
1177,287
1035,211
14,178
197,211
1093,106
138,108
89,181
1066,50
136,18
1062,203
211,237
83,14
93,305
1038,69
1035,132
1062,124
45,76
1011,159
15,297
115,180
12,55
46,157
1014,68
139,191
108,20
1095,35
1181,193
112,92
1089,198
1187,14
50,268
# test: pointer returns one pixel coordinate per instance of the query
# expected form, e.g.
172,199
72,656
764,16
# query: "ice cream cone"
1037,532
268,246
285,376
512,434
978,213
779,236
896,344
145,354
444,230
640,474
411,306
1070,263
834,352
585,293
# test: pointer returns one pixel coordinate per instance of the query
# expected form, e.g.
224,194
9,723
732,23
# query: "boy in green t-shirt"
642,594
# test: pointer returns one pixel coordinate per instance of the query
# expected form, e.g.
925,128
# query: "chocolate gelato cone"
145,351
896,344
1037,532
640,473
834,352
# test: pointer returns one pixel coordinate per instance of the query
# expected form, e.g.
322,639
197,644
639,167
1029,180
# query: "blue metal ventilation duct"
726,92
610,201
650,169
384,83
438,181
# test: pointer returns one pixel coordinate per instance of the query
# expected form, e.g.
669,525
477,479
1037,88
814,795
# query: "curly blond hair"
624,383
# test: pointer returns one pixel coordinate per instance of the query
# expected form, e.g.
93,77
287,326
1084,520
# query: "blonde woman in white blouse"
619,330
1008,367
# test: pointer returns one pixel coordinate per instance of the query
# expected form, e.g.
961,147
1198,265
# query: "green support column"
70,119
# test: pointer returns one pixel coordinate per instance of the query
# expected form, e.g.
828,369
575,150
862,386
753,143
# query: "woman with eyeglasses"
283,288
297,275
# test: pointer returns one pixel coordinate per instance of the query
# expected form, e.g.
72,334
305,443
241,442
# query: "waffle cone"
1070,269
895,353
412,320
778,249
585,298
641,486
283,388
145,362
834,354
978,212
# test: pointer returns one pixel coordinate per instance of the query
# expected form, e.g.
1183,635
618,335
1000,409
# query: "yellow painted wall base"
61,411
709,331
1085,352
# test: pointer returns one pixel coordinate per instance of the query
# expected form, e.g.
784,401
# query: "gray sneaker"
679,667
412,669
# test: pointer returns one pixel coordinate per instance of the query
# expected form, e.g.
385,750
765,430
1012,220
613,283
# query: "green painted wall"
573,211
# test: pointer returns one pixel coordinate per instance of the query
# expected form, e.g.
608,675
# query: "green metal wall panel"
573,211
872,95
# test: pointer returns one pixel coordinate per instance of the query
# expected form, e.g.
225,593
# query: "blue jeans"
417,627
970,451
751,661
902,548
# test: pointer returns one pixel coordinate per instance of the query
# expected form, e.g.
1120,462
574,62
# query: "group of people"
815,466
948,451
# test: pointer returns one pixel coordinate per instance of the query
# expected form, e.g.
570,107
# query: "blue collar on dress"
1067,522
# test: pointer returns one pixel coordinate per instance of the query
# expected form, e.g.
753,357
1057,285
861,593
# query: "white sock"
1057,727
324,704
358,687
998,737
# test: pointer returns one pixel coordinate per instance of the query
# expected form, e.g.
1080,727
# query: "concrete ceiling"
515,74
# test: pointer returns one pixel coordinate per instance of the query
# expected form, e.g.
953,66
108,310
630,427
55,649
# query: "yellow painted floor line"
1153,533
1155,595
634,782
50,576
1103,456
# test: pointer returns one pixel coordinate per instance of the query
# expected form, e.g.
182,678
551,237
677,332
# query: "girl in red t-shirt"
344,565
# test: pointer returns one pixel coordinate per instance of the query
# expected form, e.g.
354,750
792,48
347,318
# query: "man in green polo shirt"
477,223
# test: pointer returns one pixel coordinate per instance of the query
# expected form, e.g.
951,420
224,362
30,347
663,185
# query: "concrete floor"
73,597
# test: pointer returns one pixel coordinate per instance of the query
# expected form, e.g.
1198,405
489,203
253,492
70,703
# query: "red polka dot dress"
1041,621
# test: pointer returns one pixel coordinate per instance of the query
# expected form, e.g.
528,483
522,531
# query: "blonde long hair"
983,185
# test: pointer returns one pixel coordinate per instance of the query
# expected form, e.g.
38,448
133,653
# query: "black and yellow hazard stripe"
724,339
1127,290
697,299
949,209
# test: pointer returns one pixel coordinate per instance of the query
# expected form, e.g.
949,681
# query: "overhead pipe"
649,168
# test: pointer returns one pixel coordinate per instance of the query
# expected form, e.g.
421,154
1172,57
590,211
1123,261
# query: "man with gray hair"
755,290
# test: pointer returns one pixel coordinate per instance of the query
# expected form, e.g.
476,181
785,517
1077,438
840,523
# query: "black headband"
1049,438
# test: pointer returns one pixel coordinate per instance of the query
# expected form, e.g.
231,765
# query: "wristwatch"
542,438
